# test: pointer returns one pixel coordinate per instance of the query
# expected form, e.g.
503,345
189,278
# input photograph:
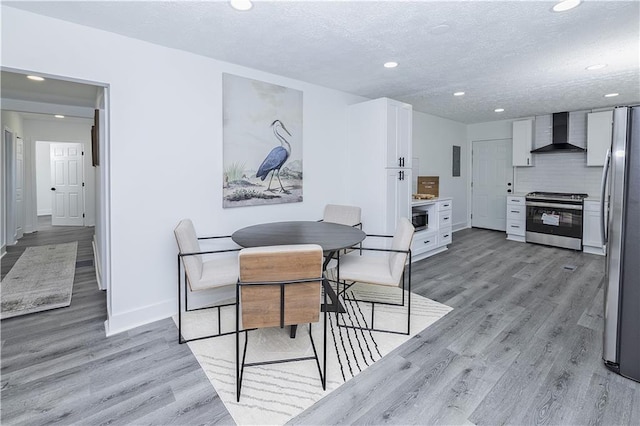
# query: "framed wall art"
262,143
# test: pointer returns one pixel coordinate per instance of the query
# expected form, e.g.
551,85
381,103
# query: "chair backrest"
188,243
401,241
344,215
261,304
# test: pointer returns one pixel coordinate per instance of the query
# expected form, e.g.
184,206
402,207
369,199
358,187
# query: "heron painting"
262,156
277,156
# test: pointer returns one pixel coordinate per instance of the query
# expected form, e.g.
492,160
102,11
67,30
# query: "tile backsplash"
560,171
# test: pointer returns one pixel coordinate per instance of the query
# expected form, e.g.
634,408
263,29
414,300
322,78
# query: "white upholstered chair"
384,270
203,270
344,215
279,286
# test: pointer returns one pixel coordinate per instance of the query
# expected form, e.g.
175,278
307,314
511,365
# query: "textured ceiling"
516,55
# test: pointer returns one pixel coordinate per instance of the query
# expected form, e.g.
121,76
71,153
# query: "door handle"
53,189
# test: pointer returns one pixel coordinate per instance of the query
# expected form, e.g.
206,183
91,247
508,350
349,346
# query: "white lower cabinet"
516,218
424,241
591,232
437,236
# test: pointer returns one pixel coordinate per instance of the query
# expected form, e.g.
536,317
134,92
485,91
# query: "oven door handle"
553,205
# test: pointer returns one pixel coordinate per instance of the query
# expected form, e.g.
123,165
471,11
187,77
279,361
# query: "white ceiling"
52,91
516,55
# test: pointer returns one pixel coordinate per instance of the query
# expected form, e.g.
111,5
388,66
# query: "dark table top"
329,236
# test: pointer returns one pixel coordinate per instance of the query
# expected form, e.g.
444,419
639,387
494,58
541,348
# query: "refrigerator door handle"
603,193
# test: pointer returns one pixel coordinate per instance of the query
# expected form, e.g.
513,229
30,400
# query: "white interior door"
492,182
67,204
10,188
20,207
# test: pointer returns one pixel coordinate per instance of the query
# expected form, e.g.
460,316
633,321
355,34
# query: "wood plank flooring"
522,346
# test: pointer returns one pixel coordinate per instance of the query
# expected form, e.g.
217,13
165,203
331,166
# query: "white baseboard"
46,212
128,320
96,263
594,250
460,226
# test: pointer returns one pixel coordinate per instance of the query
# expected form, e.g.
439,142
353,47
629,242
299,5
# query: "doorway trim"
103,178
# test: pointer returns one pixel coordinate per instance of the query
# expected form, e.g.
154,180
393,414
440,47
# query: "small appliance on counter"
420,219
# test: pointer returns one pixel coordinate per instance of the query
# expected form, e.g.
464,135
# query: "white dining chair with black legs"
387,268
343,215
213,271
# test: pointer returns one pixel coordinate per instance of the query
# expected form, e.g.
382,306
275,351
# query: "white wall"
165,148
43,178
433,141
78,130
555,172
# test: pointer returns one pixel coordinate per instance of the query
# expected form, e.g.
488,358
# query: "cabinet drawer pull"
515,226
427,241
515,200
446,236
515,211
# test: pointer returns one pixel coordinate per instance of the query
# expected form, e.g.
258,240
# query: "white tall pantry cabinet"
379,158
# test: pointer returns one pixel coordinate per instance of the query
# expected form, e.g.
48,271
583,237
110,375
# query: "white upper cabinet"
381,131
399,118
599,128
522,142
379,145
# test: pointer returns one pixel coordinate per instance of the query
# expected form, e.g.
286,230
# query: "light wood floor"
522,346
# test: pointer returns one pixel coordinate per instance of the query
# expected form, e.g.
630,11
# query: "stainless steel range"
555,219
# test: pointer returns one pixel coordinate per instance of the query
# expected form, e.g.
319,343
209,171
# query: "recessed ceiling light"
499,110
596,67
59,116
440,29
565,5
35,78
611,95
242,5
390,64
458,94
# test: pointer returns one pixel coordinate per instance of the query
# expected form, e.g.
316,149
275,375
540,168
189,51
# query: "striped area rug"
274,394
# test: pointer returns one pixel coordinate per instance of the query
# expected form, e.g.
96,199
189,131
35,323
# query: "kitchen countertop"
429,201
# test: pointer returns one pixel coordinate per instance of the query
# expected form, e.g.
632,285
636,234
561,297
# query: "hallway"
58,366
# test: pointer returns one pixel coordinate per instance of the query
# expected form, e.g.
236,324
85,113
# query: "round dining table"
332,237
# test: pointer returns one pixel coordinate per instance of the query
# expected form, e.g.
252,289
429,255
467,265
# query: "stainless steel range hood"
560,136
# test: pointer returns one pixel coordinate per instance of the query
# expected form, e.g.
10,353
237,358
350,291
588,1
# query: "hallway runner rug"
40,280
274,394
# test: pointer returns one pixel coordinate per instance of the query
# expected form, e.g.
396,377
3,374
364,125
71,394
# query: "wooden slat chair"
279,286
388,270
202,272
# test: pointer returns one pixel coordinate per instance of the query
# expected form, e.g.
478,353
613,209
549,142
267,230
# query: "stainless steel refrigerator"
621,233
